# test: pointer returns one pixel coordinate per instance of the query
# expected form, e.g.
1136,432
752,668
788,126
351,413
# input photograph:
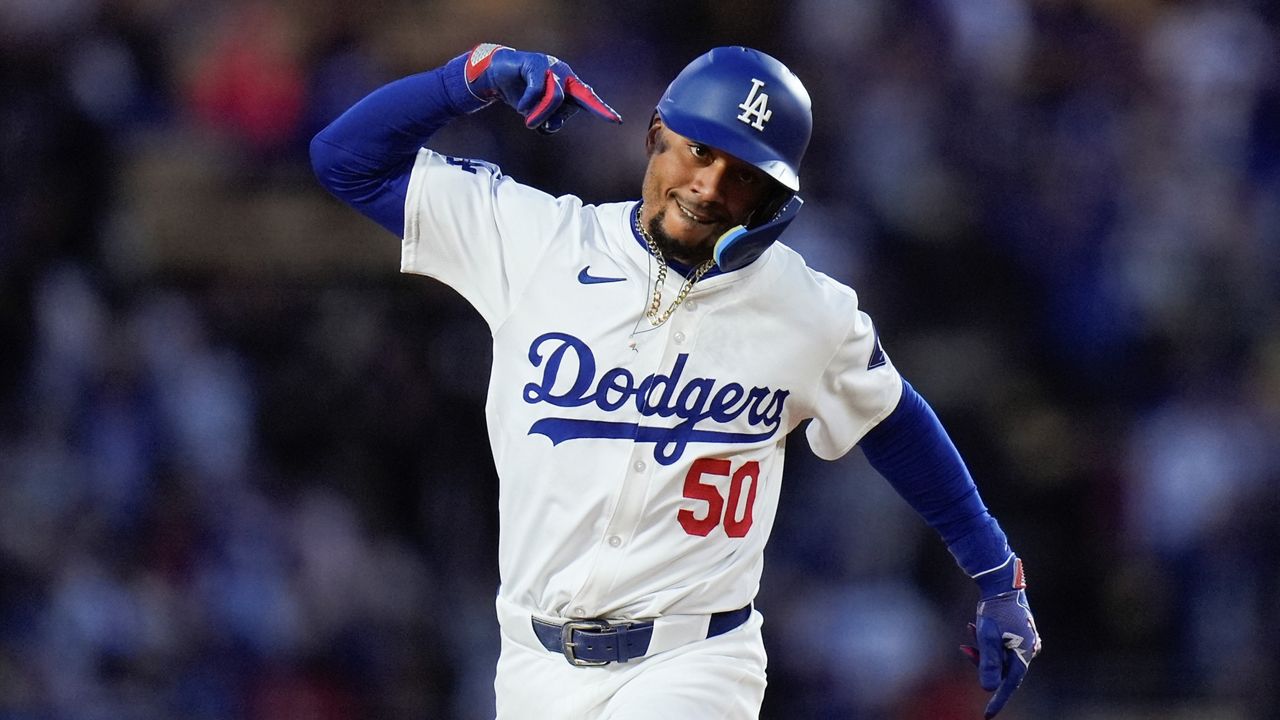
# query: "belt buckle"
567,645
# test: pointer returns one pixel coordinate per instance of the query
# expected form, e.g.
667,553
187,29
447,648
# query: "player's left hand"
1005,639
541,87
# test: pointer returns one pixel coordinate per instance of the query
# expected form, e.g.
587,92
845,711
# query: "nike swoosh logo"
587,278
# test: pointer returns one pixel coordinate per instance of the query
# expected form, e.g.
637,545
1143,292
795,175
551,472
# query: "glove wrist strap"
463,99
1003,578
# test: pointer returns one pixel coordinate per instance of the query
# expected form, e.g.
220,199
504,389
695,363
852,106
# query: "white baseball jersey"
637,482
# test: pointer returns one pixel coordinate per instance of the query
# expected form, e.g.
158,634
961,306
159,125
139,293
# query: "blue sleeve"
365,156
913,452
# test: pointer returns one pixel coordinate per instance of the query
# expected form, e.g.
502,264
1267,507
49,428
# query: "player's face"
693,193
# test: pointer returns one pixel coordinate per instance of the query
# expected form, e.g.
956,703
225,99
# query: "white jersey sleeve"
477,230
858,388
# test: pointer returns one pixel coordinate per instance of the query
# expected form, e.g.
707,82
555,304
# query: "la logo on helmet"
756,106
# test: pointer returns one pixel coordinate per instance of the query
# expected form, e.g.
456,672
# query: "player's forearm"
364,157
913,452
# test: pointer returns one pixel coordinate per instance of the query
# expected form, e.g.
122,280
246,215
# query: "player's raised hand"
542,88
1005,635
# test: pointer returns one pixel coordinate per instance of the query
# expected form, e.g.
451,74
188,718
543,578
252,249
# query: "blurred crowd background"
243,467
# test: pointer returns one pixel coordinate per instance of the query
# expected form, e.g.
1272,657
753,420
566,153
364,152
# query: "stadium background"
243,469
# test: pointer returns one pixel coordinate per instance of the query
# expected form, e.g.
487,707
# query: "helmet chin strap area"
739,247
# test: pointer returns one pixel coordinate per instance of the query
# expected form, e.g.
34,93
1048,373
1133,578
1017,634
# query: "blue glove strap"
455,84
502,73
1002,578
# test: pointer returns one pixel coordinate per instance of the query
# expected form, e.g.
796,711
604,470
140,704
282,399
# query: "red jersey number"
735,514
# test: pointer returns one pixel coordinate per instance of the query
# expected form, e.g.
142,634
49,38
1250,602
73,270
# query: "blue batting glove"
1005,634
542,88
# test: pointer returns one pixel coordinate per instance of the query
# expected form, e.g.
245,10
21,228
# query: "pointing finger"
582,94
1017,671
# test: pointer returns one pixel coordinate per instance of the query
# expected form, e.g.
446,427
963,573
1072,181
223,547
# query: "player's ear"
651,137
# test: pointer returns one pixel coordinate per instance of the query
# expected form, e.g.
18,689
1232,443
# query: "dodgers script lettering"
697,400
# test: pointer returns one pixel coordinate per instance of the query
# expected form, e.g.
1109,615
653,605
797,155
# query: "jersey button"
690,305
638,465
579,612
614,541
678,337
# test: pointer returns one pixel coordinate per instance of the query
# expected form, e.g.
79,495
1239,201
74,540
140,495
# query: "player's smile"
700,219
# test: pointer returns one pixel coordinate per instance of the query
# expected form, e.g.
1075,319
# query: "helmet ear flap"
768,208
740,246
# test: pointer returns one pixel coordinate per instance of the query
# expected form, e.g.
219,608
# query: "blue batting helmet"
745,103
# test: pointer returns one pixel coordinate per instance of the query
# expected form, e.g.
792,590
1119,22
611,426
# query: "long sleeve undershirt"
913,452
364,157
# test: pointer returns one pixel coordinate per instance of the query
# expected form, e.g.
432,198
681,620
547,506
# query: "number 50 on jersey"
734,512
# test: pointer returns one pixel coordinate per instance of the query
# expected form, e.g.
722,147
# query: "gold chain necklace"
656,305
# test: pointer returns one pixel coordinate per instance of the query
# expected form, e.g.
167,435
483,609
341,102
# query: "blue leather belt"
591,643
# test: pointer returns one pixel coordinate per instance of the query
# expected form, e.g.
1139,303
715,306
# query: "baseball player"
650,358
